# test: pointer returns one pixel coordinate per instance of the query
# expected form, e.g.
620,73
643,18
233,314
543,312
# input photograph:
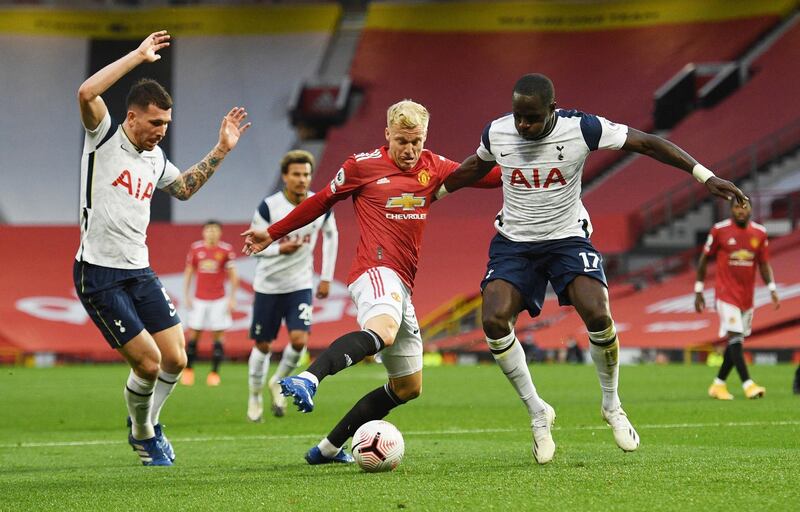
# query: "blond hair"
408,114
296,156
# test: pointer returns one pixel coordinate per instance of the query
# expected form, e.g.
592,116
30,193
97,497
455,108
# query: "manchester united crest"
754,243
424,177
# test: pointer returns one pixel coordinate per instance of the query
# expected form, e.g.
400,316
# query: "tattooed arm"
197,175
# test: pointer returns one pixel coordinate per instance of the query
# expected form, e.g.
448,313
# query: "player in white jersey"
120,169
283,282
543,236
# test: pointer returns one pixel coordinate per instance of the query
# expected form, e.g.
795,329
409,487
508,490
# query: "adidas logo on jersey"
382,181
731,241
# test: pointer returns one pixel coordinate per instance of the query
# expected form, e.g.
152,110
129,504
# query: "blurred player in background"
739,244
283,282
209,309
120,168
392,189
543,237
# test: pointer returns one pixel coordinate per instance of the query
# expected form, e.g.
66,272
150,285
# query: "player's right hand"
152,43
289,247
725,189
699,302
255,240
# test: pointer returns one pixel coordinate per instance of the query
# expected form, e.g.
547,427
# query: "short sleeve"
600,133
444,167
711,244
190,259
231,259
484,150
763,253
169,175
95,137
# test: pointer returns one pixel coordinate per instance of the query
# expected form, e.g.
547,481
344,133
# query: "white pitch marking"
206,439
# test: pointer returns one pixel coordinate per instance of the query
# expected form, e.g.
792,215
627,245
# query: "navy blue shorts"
530,265
269,309
122,303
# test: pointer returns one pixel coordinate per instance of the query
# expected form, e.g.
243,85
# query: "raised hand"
152,44
232,128
255,240
725,189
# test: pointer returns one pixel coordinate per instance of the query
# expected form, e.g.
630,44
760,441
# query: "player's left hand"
323,289
255,240
776,302
725,189
232,128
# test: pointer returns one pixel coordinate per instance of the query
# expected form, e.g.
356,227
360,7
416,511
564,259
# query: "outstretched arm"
670,154
471,170
190,181
93,108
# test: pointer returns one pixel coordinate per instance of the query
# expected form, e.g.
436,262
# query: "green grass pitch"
63,445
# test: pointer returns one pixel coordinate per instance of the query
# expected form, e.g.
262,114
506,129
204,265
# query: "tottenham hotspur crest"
560,152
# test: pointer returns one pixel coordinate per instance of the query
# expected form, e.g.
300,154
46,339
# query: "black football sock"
191,352
738,359
217,356
796,385
727,364
346,351
375,405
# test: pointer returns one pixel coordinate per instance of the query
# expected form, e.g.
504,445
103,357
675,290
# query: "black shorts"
122,303
529,266
269,309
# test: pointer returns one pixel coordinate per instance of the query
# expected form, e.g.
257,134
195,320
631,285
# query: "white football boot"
543,445
624,433
278,400
255,408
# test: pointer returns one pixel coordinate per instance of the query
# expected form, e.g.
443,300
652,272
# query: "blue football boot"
302,390
314,456
166,446
149,451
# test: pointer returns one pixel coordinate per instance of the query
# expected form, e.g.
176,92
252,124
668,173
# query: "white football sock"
718,381
164,385
288,361
327,448
139,399
604,349
509,354
310,376
258,367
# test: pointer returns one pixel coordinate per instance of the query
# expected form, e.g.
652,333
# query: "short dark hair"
146,91
212,222
535,84
296,156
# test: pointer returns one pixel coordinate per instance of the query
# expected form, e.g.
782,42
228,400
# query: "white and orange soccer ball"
378,446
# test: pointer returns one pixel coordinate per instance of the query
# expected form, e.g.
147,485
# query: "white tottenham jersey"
285,273
542,178
117,184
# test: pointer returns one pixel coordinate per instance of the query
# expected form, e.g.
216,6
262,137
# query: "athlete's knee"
407,391
598,321
174,362
264,346
385,327
496,324
298,339
147,367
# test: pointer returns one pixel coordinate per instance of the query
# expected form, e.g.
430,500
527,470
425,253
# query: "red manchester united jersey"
391,207
210,264
738,251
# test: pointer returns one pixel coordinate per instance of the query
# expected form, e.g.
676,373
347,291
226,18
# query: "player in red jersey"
392,189
213,262
739,244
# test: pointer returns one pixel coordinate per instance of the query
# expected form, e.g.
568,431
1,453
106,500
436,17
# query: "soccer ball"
378,446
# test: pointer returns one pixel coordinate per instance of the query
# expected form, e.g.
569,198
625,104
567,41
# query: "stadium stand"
755,112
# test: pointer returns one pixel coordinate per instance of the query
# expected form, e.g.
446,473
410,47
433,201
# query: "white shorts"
734,320
379,291
209,315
